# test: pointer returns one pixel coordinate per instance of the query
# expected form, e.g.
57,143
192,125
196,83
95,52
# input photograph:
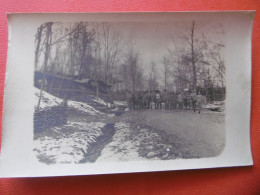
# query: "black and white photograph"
153,91
122,91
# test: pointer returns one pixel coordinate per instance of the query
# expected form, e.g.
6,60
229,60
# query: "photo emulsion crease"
99,93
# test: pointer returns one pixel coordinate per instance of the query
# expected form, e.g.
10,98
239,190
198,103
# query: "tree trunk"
38,38
193,58
46,57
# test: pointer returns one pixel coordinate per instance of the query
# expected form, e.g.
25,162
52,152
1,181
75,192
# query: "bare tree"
132,66
153,83
196,58
38,40
110,43
97,63
166,70
47,44
218,64
194,52
86,38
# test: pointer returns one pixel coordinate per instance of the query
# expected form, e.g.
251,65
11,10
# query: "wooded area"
102,52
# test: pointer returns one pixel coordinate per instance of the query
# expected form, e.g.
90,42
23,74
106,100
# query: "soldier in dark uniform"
174,100
180,101
149,100
185,100
140,98
164,98
134,100
194,100
129,100
158,100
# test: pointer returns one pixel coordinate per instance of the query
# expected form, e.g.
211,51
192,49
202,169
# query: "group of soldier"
164,100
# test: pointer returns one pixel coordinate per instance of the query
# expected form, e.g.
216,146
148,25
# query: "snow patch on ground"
83,107
131,143
218,106
120,103
67,147
47,100
127,142
100,101
121,148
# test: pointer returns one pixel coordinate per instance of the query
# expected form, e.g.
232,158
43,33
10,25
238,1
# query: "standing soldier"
199,101
173,100
164,97
134,100
129,100
158,100
190,100
140,100
168,100
145,99
154,99
180,101
194,101
185,100
149,103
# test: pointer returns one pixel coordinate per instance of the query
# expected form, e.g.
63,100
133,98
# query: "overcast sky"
153,38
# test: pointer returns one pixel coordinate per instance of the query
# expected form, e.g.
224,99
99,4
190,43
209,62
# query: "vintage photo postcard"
98,93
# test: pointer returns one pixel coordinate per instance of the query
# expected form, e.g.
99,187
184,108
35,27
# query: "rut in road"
94,149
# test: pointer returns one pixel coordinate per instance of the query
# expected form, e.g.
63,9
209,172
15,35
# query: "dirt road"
192,135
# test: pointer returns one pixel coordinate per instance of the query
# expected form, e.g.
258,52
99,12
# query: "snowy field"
67,144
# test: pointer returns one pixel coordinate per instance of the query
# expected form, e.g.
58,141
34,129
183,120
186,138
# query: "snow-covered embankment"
68,143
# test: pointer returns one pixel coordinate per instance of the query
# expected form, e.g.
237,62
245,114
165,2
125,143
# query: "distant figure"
153,104
173,100
193,100
134,100
158,102
199,101
179,101
168,100
189,100
140,100
164,98
150,99
185,100
129,100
